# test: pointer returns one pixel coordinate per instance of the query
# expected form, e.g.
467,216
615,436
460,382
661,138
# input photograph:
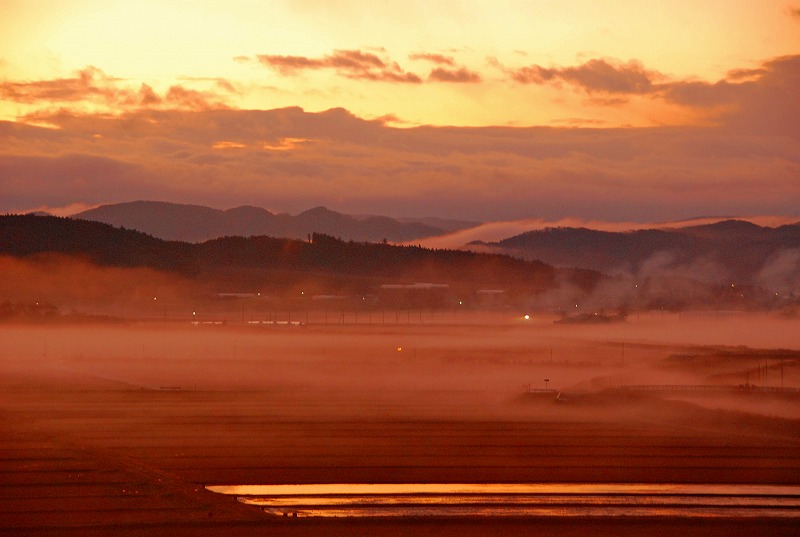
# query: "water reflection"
528,499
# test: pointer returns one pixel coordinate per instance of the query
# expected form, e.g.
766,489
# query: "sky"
617,111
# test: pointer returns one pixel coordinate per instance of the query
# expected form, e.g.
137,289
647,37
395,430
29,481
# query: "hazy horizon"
484,231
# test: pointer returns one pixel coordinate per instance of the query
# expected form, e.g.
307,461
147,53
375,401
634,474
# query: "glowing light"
224,144
399,349
527,317
285,144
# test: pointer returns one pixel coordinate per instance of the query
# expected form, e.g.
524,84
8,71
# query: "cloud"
438,59
67,210
226,158
38,180
191,99
362,65
181,144
463,74
289,64
148,97
764,98
91,86
497,231
596,75
88,83
354,64
218,82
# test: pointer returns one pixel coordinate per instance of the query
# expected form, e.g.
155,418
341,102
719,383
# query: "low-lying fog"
480,363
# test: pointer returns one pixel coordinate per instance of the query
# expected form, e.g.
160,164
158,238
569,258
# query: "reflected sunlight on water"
495,499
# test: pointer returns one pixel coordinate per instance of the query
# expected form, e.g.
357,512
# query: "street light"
545,383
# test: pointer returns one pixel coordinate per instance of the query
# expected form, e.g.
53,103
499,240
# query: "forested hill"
723,252
259,259
102,244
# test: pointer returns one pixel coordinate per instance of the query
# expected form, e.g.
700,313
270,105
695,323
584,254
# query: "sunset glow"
621,110
454,268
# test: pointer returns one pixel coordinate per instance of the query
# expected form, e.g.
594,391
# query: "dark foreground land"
90,444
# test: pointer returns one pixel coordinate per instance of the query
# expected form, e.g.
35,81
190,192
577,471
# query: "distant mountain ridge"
196,223
728,251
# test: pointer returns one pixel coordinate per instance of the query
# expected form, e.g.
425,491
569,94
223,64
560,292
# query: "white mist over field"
504,229
123,418
478,365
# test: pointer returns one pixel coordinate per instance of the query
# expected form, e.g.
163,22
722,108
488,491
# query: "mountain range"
676,269
725,252
195,223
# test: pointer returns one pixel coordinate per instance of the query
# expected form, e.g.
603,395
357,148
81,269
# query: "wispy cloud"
372,66
462,75
218,82
89,83
66,210
496,231
596,75
438,59
92,86
355,64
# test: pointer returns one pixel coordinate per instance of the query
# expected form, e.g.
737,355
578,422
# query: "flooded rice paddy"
519,500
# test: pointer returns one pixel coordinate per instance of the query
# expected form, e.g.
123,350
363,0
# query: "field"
116,429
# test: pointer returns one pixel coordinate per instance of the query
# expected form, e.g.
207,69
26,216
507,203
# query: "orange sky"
660,109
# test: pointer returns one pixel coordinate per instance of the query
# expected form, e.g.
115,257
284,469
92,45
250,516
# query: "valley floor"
122,438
